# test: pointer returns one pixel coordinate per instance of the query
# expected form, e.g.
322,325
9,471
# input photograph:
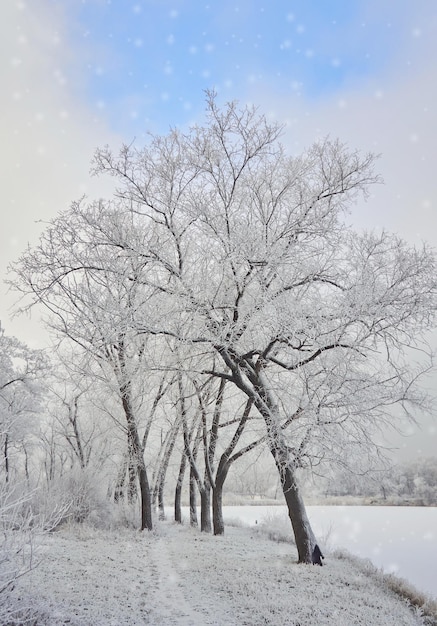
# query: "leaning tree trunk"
264,402
303,533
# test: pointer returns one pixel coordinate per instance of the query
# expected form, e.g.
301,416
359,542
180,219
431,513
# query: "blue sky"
146,63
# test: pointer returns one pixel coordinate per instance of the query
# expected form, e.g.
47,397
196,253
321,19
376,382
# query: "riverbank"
178,576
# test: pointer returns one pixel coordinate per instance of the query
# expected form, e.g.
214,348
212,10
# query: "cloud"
391,113
48,135
50,129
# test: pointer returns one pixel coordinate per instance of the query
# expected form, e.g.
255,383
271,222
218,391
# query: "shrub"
17,553
276,527
75,497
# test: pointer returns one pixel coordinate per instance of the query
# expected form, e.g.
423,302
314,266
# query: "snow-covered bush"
123,515
75,497
81,497
276,527
17,553
25,517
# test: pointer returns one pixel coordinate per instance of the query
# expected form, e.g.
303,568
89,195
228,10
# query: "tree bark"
121,479
226,460
26,463
205,509
161,508
258,391
217,497
138,459
163,467
6,457
193,499
146,506
73,410
303,533
178,490
132,490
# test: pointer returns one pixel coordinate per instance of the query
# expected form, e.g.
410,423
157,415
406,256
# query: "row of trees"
219,303
408,483
21,371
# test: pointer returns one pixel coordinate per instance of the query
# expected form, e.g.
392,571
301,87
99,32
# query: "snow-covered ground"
178,576
400,540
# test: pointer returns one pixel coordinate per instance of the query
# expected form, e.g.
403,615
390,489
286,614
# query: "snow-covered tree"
92,305
237,249
21,374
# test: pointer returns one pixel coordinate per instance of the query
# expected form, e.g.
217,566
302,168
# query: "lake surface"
400,540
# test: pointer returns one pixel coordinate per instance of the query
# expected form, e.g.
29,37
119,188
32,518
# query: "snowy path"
177,576
92,578
170,604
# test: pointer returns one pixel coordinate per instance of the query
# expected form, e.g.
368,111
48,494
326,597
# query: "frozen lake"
400,540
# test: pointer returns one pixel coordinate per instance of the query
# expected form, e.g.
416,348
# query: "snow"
400,540
179,576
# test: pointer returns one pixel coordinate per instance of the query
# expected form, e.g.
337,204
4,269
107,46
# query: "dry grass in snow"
178,576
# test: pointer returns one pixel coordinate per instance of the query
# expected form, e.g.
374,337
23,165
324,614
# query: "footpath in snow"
178,576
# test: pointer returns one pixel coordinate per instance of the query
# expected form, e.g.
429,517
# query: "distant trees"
94,295
412,483
220,243
21,375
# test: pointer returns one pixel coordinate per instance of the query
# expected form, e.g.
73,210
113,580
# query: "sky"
80,74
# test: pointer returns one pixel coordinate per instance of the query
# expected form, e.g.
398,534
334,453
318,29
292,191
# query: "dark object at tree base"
317,556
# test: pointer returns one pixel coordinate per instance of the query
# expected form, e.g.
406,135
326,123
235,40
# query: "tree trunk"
73,410
226,460
264,402
205,509
193,500
121,479
146,504
26,464
136,451
6,457
163,467
178,490
132,490
137,458
177,504
303,533
217,498
161,508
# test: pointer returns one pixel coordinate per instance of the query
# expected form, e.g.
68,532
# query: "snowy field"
401,540
177,576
